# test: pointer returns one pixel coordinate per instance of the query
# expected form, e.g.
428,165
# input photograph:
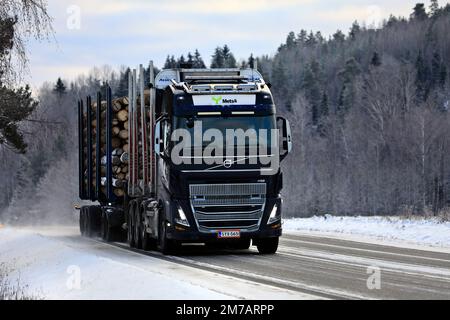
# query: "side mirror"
157,142
286,137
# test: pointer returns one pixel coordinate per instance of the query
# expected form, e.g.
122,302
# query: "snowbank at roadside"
429,232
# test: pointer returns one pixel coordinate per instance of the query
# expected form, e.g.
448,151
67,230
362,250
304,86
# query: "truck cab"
218,146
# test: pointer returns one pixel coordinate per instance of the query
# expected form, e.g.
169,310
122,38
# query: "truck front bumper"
186,235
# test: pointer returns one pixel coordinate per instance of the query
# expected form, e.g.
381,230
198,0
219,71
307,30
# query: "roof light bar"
243,112
210,113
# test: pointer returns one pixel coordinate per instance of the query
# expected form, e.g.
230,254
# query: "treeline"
370,115
41,184
222,57
18,20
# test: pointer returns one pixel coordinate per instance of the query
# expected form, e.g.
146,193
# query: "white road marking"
295,284
396,243
176,260
416,270
367,250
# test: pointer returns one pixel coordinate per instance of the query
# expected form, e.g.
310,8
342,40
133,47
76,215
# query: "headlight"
181,219
273,215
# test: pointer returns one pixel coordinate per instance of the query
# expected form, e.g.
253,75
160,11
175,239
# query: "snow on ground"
49,261
424,232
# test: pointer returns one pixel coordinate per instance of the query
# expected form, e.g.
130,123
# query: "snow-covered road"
52,260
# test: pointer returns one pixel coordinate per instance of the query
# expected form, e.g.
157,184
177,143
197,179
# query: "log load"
119,143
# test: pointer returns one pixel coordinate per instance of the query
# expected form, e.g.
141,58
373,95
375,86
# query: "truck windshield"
257,129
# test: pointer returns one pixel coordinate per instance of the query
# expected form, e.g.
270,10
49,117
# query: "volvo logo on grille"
227,163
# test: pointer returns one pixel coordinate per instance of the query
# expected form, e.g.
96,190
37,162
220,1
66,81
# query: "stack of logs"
119,144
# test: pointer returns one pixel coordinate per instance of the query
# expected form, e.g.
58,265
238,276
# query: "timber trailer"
141,195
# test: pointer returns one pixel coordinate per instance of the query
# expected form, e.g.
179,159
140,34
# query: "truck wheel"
130,226
148,243
108,233
267,245
85,222
242,244
93,217
81,221
166,246
137,229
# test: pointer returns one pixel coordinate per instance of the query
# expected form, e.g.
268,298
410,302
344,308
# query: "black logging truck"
189,156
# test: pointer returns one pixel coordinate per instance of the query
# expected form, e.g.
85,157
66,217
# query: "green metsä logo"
217,99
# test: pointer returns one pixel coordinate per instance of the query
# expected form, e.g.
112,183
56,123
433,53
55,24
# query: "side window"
166,132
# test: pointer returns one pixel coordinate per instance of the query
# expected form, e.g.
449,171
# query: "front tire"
242,244
166,246
130,226
109,234
267,245
148,243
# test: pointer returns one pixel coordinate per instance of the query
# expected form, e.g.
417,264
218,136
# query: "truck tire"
130,225
267,245
87,222
93,216
137,228
81,221
84,221
242,244
166,246
148,243
108,233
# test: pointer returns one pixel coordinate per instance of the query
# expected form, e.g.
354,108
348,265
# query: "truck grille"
228,206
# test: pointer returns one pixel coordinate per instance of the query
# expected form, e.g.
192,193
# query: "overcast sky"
118,32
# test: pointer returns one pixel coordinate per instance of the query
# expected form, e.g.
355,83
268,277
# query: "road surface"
305,267
330,268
